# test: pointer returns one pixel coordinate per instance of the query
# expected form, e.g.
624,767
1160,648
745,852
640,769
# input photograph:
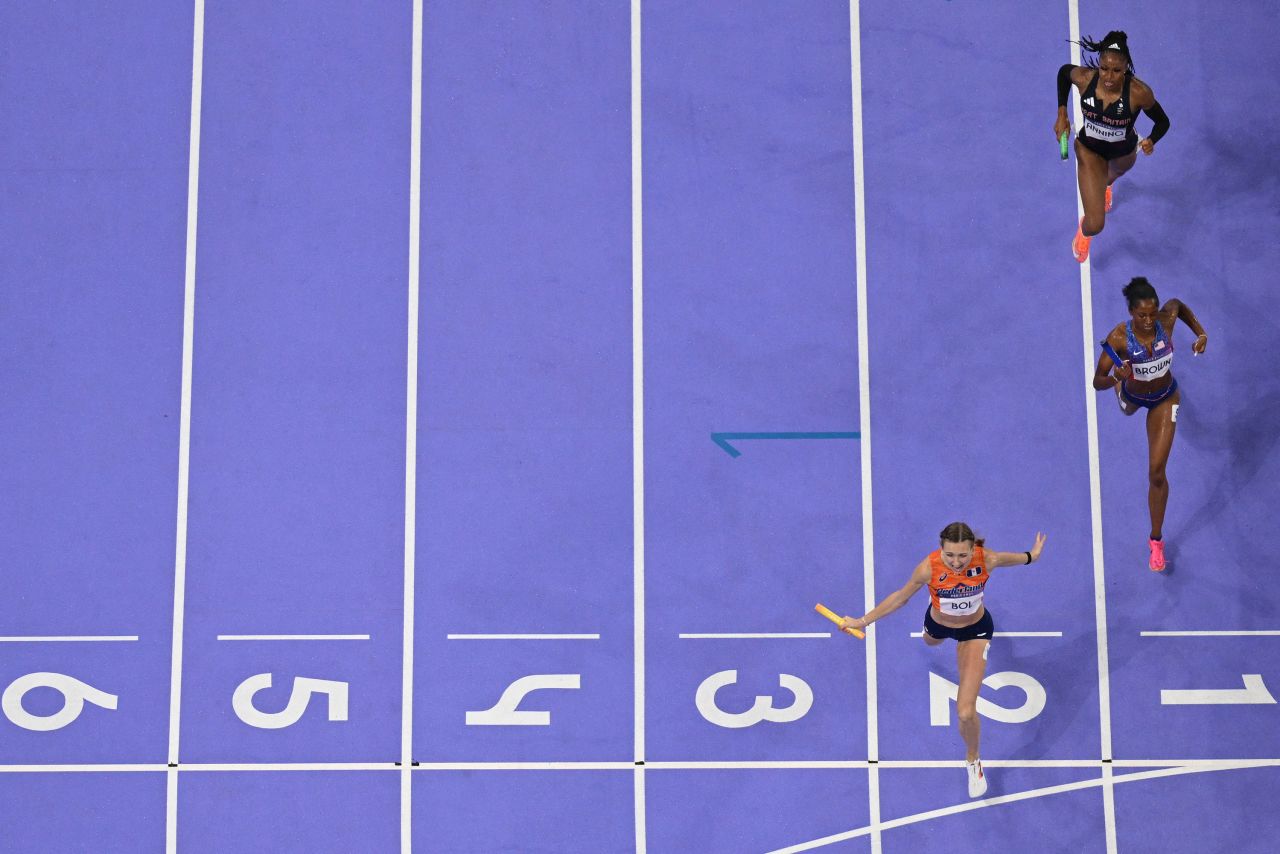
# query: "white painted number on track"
761,710
299,698
74,695
1253,692
942,692
505,712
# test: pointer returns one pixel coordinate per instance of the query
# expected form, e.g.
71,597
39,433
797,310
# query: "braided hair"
1115,40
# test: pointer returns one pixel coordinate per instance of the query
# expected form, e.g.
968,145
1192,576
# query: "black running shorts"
1109,150
981,630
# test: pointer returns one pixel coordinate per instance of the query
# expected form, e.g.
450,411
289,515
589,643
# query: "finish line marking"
1006,799
1168,765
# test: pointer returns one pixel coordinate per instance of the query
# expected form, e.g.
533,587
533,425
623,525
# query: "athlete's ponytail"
1139,289
959,532
1115,40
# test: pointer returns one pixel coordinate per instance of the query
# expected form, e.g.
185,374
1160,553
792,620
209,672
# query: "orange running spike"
1080,244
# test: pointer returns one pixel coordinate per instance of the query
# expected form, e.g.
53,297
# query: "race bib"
1105,133
960,606
1152,370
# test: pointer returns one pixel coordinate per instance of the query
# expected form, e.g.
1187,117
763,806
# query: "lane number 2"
942,692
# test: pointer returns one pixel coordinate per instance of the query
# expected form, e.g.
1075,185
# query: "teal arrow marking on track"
722,439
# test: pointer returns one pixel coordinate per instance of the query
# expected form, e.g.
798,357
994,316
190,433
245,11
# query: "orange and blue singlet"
958,593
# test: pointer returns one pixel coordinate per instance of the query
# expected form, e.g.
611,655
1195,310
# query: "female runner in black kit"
1106,147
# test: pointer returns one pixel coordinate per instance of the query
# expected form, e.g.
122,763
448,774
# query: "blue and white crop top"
1147,366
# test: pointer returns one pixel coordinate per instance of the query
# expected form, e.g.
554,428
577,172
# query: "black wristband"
1028,554
1064,84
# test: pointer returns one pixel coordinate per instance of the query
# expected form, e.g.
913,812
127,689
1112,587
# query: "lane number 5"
299,698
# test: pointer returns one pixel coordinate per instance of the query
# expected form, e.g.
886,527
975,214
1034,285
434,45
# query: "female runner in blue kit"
1136,361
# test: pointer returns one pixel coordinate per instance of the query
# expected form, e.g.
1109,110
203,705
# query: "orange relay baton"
830,615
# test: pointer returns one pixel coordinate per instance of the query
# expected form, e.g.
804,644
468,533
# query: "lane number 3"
761,710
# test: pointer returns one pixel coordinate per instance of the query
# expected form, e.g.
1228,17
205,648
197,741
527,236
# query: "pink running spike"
1157,563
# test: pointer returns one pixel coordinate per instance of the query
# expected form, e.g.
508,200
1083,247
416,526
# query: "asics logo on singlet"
943,577
1089,101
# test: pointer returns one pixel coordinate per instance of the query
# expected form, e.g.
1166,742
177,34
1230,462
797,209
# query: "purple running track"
524,499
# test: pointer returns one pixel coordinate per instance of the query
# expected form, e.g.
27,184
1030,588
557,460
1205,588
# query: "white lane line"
999,763
836,764
1106,781
202,767
292,637
623,765
184,425
637,427
1011,634
740,635
411,435
1212,634
66,638
749,764
1095,484
526,766
1207,763
864,408
523,637
124,768
638,786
